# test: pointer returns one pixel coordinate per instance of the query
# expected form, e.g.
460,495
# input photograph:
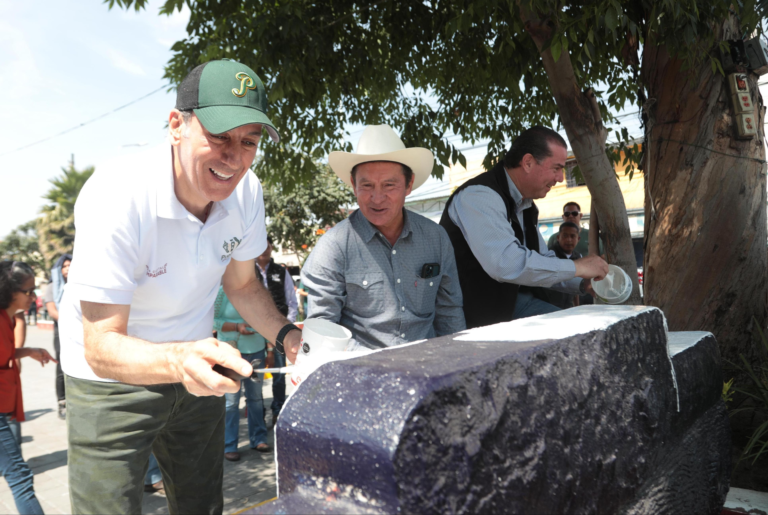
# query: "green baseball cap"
225,95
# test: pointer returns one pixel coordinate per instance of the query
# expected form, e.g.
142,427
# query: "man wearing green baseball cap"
156,235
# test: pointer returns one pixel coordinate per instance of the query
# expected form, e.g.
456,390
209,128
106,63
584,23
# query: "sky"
63,63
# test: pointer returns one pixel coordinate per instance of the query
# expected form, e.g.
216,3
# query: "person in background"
39,303
53,294
32,313
567,241
230,327
17,292
565,248
572,213
278,281
20,337
20,332
303,294
153,480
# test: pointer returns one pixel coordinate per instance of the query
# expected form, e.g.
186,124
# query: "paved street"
44,445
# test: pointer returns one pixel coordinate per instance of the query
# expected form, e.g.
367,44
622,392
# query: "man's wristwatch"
281,336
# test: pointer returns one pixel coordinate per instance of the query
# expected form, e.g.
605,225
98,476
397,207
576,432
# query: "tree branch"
590,96
580,115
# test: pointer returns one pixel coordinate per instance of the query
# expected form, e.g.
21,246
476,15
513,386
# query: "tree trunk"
594,231
705,206
581,119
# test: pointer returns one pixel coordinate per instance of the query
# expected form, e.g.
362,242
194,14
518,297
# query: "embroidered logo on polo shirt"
157,271
230,247
276,277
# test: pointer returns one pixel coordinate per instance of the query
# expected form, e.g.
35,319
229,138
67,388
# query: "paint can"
321,341
320,336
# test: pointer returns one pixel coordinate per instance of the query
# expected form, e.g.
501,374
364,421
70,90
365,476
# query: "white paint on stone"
354,350
671,363
565,324
554,326
747,500
679,341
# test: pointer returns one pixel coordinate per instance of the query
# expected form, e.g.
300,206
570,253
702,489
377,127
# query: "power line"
481,145
735,156
84,123
626,114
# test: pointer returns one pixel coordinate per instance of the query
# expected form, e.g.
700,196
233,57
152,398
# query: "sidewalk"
44,446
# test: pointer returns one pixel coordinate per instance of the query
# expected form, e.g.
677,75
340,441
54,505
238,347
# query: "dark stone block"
570,412
692,469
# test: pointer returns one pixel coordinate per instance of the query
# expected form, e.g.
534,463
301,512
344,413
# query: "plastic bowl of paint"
615,288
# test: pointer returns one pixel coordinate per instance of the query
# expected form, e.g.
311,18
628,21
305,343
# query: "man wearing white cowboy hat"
386,274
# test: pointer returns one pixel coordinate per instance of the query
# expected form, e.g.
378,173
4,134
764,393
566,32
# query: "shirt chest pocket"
422,294
366,293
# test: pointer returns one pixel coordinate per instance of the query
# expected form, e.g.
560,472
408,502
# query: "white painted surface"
678,341
554,326
748,500
564,324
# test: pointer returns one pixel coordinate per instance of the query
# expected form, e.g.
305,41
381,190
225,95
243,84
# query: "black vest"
276,284
560,253
487,301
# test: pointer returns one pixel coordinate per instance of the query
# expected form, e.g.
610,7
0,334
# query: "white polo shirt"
136,244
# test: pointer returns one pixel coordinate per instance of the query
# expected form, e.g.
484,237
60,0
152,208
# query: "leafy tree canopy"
433,68
297,218
21,245
56,226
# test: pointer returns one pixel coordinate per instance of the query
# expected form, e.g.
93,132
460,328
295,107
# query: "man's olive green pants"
113,427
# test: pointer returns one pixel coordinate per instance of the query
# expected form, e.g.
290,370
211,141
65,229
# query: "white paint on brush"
671,363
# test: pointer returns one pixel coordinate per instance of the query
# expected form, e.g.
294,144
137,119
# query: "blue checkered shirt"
355,278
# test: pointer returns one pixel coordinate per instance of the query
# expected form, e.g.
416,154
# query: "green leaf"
611,19
556,48
719,67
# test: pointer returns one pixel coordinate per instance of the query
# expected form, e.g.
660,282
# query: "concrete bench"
591,410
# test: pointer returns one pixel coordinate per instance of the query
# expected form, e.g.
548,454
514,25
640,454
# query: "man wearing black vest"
278,281
492,222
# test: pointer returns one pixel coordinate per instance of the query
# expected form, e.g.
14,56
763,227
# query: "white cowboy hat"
380,143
